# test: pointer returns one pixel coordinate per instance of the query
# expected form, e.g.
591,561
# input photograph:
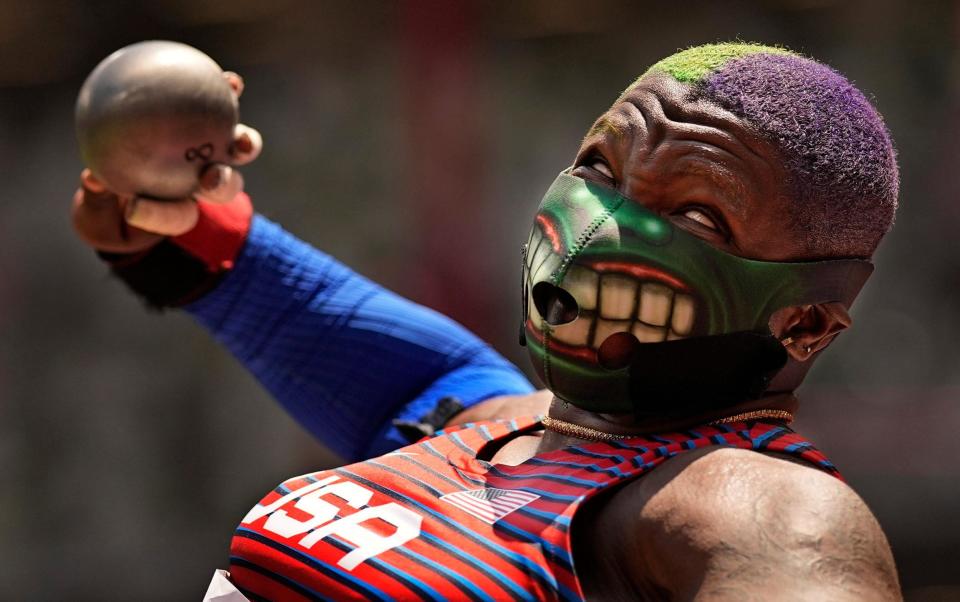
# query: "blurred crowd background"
413,141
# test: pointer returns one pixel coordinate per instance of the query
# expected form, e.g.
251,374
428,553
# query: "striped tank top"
431,521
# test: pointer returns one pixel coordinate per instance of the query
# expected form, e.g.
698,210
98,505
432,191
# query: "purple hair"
836,149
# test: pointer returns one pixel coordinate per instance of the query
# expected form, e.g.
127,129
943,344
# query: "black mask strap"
694,376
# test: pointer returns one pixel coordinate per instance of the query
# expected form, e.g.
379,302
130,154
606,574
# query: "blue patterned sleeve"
343,355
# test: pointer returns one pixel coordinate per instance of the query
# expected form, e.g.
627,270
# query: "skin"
714,524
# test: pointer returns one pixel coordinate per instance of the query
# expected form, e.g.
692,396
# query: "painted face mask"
624,312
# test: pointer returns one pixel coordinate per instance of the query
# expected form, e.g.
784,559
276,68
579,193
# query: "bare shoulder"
735,524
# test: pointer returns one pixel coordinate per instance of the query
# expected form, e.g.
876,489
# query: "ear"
807,329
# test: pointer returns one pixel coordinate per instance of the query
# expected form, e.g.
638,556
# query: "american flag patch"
489,505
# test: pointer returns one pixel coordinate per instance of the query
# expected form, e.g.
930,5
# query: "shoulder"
738,521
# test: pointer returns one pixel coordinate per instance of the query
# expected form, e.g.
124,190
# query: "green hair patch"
694,64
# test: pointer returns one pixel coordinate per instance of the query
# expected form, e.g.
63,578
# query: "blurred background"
413,140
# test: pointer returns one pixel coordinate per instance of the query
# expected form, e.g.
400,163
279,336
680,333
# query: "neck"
628,424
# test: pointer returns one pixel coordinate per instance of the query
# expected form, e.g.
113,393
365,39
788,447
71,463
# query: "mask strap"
731,368
524,301
834,280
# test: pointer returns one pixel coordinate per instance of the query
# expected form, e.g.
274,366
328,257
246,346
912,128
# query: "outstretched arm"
342,354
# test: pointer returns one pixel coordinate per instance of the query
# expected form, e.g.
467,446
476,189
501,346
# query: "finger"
98,221
235,81
247,144
91,182
220,184
169,218
93,196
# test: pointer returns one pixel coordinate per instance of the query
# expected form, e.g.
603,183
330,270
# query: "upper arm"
736,525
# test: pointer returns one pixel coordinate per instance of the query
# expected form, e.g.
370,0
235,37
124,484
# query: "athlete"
680,278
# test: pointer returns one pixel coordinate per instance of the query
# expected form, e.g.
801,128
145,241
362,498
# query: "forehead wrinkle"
714,135
670,142
700,117
719,138
707,149
650,113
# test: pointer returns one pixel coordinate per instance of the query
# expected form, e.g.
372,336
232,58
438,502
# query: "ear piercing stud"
787,341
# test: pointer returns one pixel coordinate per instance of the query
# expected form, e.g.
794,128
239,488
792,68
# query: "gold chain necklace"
580,432
783,415
584,432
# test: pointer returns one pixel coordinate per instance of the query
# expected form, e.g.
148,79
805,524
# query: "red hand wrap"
220,232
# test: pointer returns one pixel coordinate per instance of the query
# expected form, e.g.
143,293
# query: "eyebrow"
732,188
607,126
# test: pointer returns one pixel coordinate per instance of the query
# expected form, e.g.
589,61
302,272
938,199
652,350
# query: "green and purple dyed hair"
835,147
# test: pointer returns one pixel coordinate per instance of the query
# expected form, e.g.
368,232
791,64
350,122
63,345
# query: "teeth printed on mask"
607,327
609,301
582,284
655,302
648,334
618,296
576,333
682,321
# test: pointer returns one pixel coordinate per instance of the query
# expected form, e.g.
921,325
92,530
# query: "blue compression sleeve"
343,355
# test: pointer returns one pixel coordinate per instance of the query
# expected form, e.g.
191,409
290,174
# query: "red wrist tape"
220,232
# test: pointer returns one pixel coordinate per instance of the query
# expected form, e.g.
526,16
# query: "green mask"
624,312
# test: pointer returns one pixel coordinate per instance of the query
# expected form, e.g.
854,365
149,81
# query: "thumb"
98,219
169,218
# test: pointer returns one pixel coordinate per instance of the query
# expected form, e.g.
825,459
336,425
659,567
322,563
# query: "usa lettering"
313,500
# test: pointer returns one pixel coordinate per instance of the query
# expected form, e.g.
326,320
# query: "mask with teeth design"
623,312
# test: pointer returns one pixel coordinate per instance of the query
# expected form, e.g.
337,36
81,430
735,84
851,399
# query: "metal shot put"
152,116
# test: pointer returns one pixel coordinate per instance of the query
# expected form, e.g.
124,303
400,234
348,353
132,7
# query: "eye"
703,222
594,167
599,165
701,218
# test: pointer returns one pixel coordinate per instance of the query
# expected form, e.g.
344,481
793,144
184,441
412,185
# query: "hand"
115,224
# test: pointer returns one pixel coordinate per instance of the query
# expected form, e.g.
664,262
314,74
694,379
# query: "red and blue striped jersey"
431,521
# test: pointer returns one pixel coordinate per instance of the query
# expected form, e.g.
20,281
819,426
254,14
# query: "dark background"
413,140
